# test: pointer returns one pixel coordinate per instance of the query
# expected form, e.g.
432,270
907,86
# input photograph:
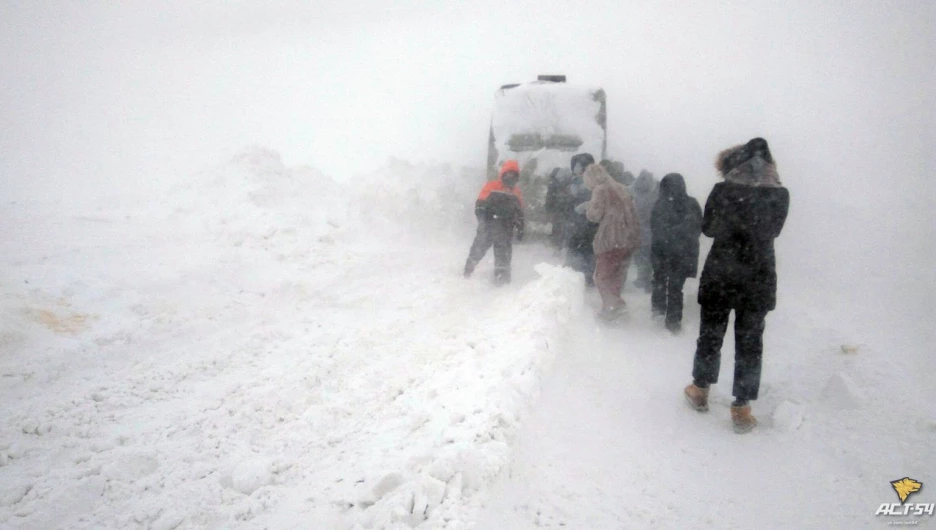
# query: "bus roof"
544,109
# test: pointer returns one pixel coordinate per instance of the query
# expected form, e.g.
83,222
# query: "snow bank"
254,200
430,200
455,394
266,348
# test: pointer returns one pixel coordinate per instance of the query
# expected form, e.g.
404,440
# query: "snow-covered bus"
542,124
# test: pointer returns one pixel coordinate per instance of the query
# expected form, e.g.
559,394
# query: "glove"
519,234
580,209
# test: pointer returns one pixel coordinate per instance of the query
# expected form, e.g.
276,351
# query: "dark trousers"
498,234
644,267
667,295
560,230
581,253
749,349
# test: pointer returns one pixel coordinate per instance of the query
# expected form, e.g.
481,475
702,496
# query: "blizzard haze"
232,237
103,99
120,89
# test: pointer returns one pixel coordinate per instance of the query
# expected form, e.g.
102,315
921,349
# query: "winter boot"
674,327
742,419
501,276
697,397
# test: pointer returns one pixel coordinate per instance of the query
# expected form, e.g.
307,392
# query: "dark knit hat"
582,158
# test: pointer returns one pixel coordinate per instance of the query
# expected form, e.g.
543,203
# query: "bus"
542,124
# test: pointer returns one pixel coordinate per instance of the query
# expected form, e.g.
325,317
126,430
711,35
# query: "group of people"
604,218
573,232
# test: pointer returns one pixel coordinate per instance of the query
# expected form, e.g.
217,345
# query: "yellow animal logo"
905,487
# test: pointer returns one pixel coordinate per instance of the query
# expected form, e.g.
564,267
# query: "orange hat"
509,165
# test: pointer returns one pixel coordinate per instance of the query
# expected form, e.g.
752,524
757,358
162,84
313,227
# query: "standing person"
616,239
627,179
559,206
499,209
616,170
645,197
581,252
675,224
606,164
744,214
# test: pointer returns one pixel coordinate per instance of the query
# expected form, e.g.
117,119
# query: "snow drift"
264,347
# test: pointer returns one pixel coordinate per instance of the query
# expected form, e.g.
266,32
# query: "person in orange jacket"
499,210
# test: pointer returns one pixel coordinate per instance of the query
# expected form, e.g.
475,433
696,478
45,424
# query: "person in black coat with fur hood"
675,225
744,214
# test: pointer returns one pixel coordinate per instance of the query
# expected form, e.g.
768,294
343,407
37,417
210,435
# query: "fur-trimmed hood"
612,207
736,165
596,175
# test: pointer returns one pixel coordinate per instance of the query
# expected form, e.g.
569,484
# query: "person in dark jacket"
744,214
581,251
628,179
499,210
615,168
644,191
559,205
675,224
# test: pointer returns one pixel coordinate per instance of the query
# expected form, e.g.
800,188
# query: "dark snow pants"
644,268
498,234
749,349
667,295
580,255
560,230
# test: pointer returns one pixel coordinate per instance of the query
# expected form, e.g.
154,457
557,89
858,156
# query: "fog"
100,98
196,333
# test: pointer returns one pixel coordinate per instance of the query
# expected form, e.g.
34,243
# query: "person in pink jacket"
618,236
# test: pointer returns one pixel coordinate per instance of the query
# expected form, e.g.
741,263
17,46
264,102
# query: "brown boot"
697,397
742,419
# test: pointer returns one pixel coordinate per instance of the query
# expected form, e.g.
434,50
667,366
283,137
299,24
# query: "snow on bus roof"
546,108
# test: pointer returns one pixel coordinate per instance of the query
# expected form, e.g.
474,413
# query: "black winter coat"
740,271
675,225
581,230
559,198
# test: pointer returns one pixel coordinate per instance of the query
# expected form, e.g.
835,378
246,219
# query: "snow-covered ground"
612,445
267,348
263,348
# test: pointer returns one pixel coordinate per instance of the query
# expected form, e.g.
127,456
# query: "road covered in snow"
611,444
267,348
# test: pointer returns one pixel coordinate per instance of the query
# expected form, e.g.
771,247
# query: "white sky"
342,86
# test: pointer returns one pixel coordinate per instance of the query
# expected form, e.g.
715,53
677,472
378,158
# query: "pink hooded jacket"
612,207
